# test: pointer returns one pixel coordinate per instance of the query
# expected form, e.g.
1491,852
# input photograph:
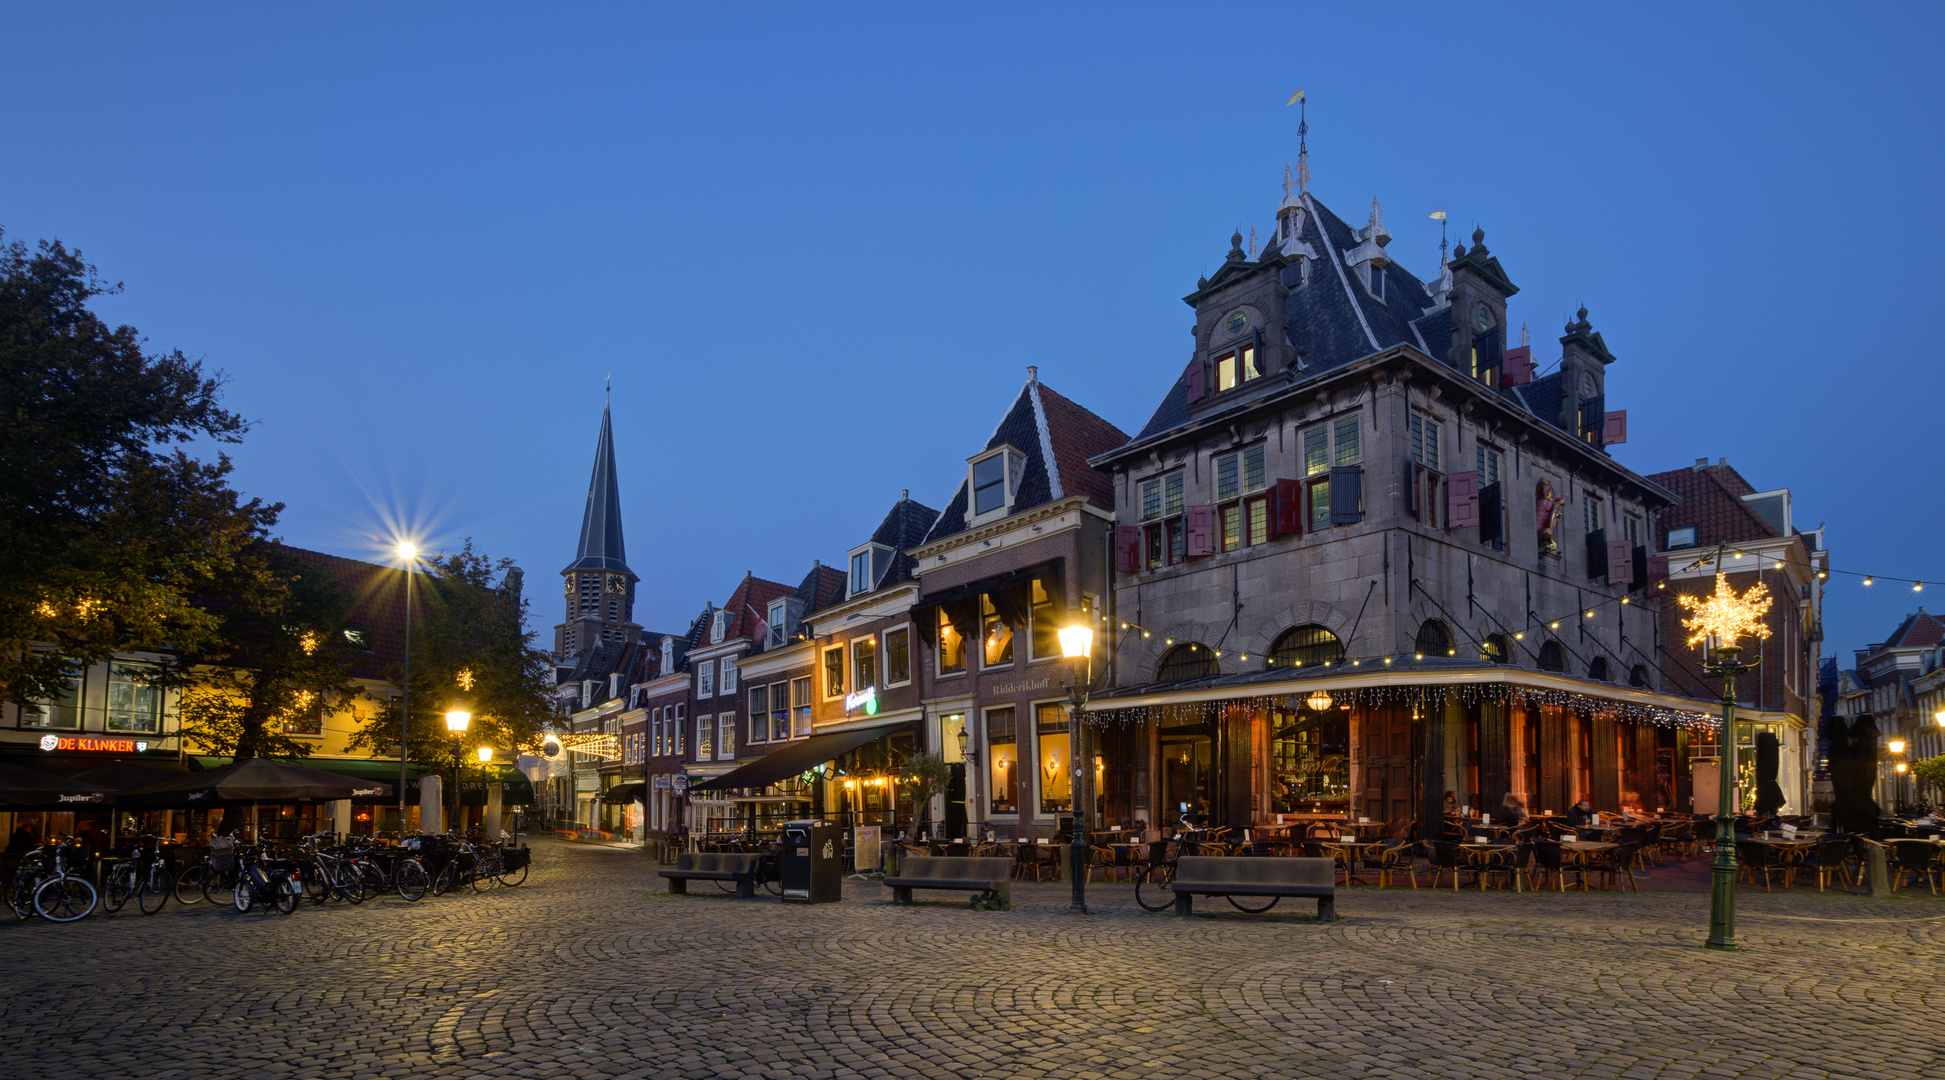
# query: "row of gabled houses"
1365,555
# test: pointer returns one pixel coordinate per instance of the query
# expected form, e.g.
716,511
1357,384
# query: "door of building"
955,801
1387,762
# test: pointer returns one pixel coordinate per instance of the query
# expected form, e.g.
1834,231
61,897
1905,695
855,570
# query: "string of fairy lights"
1722,557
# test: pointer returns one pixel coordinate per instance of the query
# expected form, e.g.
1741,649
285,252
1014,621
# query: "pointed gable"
1711,500
1054,438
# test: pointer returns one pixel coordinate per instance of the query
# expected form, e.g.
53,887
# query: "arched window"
1301,646
1552,657
1186,661
1598,669
1434,639
1639,676
1494,651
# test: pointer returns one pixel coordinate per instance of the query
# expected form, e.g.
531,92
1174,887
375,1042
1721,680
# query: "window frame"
802,690
993,801
1244,366
1485,454
939,670
863,651
728,678
726,736
759,717
1164,536
841,652
706,679
706,738
1012,465
904,634
985,631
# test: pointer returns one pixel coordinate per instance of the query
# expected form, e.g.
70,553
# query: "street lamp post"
1720,621
1077,645
457,718
410,554
1899,767
485,779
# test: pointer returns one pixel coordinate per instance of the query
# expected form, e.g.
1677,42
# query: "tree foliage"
109,530
473,629
279,654
921,776
1930,773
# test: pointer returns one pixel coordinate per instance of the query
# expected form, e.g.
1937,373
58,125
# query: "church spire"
601,547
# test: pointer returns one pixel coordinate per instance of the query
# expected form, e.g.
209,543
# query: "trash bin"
812,862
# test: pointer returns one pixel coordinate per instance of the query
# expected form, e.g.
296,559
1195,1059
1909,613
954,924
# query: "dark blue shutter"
1492,517
1486,345
1411,485
1593,418
1346,494
1262,362
1597,553
1640,568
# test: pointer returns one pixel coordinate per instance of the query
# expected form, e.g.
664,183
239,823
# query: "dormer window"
1487,356
718,627
1237,367
783,620
868,566
1683,537
668,655
995,481
1377,281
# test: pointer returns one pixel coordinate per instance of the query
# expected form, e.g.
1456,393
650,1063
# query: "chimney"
1701,463
1033,373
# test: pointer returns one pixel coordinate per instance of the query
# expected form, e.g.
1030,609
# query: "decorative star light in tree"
1725,617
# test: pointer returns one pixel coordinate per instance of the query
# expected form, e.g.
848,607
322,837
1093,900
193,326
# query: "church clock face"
616,583
1485,319
567,586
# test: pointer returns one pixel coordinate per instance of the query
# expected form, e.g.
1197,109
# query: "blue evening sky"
818,247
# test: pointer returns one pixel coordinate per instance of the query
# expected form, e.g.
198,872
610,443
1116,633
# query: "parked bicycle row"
321,868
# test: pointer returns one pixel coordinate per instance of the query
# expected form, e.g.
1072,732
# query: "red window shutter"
1127,548
1518,366
1620,562
1195,381
1461,500
1287,513
1614,428
1657,568
1202,530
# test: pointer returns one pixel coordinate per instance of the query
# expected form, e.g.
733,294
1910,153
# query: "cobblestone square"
590,970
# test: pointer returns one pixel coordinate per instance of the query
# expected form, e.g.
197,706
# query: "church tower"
599,587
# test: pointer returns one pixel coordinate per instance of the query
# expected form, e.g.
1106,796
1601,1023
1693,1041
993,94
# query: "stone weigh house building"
1366,552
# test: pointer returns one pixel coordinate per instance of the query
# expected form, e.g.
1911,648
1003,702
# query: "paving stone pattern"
590,971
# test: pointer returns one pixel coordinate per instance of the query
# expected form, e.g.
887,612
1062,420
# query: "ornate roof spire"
601,546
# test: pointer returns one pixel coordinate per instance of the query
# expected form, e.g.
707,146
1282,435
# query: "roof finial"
1289,179
1439,216
608,387
1253,245
1526,336
1033,373
1303,149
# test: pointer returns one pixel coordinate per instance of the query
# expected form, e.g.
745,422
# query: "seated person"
1512,811
1580,814
1451,802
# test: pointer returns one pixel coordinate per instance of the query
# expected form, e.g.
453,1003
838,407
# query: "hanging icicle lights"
1105,713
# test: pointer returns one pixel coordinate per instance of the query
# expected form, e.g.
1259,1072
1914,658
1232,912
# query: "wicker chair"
1447,858
1831,859
1509,862
1758,860
1913,857
1616,862
1549,858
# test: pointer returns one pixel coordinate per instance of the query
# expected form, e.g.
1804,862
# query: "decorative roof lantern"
1374,236
1289,221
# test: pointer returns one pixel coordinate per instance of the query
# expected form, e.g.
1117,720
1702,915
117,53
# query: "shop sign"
681,782
90,744
866,699
661,782
1023,686
866,847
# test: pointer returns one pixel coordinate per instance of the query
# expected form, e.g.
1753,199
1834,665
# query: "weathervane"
1303,149
1439,216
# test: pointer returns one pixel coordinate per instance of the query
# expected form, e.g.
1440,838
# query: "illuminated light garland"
1724,616
1417,697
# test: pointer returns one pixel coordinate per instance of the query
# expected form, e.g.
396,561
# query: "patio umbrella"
1769,794
125,775
31,789
247,782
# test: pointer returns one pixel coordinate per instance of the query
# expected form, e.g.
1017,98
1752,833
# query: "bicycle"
388,869
462,868
263,880
326,874
1155,891
33,869
61,895
514,863
143,876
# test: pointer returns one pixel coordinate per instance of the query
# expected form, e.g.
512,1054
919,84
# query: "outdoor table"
1349,853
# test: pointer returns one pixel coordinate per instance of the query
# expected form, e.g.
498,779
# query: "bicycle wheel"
242,895
287,895
349,883
513,878
155,889
1152,889
189,884
487,876
21,898
316,886
371,876
773,884
448,877
65,899
1238,903
220,883
121,886
410,880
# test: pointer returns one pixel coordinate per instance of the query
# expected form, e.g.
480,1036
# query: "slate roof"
1334,320
903,529
822,587
601,546
1056,437
1711,500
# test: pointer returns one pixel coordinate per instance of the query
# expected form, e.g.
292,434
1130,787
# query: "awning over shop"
633,791
796,758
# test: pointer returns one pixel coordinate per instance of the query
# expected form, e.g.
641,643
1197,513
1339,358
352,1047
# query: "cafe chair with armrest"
1446,858
1507,864
1615,863
1759,861
1830,861
1553,861
1913,858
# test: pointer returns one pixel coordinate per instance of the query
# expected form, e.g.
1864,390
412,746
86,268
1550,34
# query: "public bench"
964,873
1229,875
737,866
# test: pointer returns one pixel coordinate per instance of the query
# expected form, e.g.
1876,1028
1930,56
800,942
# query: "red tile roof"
378,607
749,605
1712,502
1077,435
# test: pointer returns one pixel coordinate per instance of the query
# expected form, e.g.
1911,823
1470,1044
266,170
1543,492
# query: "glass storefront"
1188,771
1312,762
1056,757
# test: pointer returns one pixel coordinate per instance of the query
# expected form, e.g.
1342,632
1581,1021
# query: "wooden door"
1387,762
1554,765
1608,764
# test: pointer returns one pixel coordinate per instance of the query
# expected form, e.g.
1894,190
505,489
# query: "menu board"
865,846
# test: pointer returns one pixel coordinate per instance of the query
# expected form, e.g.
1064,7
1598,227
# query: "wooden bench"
1230,875
737,866
962,873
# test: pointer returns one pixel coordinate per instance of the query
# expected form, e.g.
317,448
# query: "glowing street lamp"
1720,620
408,553
457,720
1077,646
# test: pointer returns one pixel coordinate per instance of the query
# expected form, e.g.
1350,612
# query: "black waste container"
812,862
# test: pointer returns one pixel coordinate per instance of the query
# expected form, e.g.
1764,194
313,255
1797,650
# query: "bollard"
1877,876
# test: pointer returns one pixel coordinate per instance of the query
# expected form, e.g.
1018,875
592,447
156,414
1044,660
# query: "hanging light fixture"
1318,701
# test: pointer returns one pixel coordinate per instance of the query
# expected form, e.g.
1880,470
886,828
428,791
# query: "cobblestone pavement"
589,971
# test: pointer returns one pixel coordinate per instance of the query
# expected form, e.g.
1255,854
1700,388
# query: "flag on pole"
1438,215
1296,97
